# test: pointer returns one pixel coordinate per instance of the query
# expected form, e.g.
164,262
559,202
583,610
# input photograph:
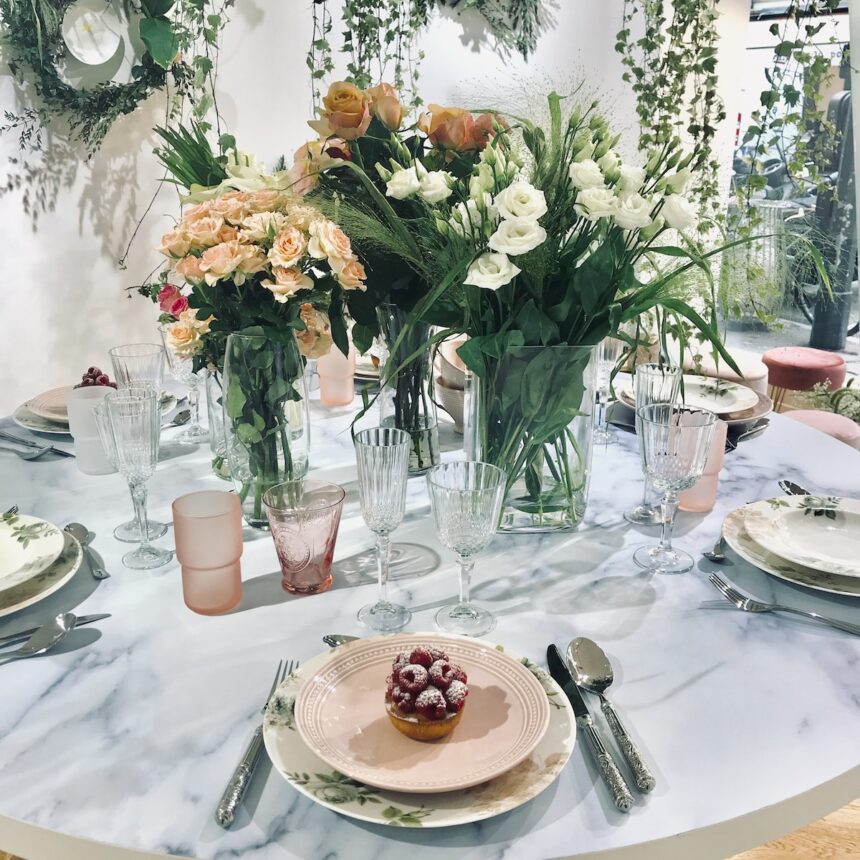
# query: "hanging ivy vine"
380,37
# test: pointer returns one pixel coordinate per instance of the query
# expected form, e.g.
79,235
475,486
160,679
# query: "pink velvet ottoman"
838,426
799,368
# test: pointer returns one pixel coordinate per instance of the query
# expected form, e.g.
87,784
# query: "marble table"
119,743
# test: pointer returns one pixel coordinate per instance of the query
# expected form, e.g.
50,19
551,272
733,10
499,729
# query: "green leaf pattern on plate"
25,534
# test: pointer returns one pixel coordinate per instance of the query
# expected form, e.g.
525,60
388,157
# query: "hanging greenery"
181,41
380,37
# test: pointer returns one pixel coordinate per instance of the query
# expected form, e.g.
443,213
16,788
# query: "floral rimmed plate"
311,776
750,550
47,582
28,546
818,532
24,417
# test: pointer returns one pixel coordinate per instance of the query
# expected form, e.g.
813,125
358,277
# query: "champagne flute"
609,351
134,418
466,498
182,370
382,454
676,441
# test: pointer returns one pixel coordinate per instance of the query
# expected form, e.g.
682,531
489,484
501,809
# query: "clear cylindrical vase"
215,411
531,414
267,427
406,398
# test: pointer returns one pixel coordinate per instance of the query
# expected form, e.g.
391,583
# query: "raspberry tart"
425,694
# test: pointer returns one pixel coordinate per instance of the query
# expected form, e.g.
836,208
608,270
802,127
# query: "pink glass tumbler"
304,517
208,527
702,496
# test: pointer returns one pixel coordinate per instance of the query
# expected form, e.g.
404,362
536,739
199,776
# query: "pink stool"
838,426
799,368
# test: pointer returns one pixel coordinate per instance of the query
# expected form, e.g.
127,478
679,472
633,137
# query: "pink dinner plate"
340,715
51,404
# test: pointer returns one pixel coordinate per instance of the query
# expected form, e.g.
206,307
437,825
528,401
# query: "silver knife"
29,443
616,783
23,635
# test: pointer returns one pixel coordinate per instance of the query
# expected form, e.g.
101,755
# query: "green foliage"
160,40
188,155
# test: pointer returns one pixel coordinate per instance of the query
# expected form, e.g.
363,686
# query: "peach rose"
185,335
449,127
346,114
175,243
264,200
485,128
315,341
228,234
221,261
189,268
232,206
287,282
289,245
329,241
195,213
385,106
204,232
314,157
252,259
350,274
262,226
301,217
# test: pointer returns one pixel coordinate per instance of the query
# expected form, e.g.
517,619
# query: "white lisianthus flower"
403,183
586,174
583,148
631,178
436,186
468,219
595,203
678,183
609,162
521,200
491,271
679,213
633,211
481,182
517,236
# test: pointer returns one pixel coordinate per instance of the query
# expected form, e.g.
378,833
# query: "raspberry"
431,704
458,674
455,696
404,701
422,657
102,379
436,654
92,371
390,684
441,674
413,678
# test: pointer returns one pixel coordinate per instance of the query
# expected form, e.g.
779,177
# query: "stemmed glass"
182,370
134,416
608,352
466,498
138,364
382,454
676,441
652,383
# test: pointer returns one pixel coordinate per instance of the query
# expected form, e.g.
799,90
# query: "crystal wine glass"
134,418
609,351
136,364
127,532
466,498
676,441
182,370
382,454
652,383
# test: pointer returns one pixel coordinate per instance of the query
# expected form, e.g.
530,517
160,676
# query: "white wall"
64,301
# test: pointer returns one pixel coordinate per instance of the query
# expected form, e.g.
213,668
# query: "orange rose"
189,268
385,105
449,128
315,341
485,128
350,274
287,282
289,245
346,114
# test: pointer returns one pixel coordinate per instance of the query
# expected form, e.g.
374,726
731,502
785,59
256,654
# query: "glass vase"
406,400
266,421
531,414
215,411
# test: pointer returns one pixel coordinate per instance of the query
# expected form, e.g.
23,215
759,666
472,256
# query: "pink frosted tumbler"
702,496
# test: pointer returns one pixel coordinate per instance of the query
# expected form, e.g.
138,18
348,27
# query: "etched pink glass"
208,527
304,517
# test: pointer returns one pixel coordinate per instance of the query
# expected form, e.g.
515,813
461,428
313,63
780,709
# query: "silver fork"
11,512
225,814
750,604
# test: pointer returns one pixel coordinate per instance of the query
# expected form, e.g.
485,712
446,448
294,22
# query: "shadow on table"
408,561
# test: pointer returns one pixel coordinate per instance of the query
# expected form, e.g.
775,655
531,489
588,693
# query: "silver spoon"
181,417
82,535
44,638
716,554
29,454
335,639
592,670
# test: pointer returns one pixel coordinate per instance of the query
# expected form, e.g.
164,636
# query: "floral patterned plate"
311,776
818,532
47,582
28,545
27,419
748,549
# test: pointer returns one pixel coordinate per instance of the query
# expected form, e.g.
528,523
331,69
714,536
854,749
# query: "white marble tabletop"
125,735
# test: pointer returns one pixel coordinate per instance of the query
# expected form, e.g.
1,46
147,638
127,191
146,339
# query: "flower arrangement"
531,245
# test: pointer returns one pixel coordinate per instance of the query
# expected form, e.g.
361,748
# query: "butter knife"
615,782
23,635
29,443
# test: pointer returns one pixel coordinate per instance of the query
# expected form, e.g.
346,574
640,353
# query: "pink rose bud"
177,306
166,296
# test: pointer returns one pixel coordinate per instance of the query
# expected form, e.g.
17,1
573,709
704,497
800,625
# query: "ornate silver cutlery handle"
645,781
621,795
225,814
